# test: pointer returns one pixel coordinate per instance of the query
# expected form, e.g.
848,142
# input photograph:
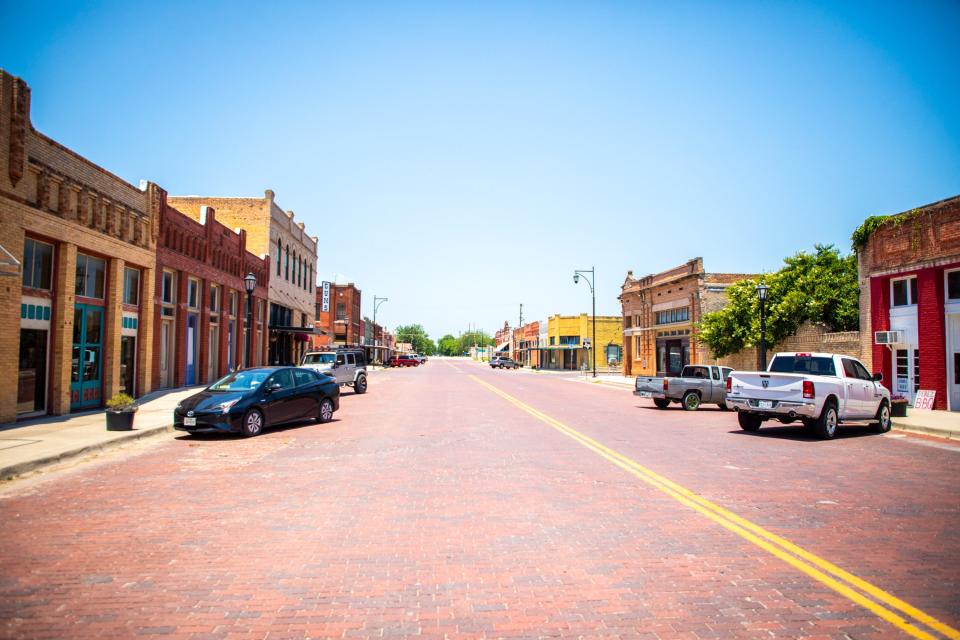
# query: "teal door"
87,374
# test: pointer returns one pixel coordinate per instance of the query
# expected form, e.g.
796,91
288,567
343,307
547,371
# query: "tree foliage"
417,336
449,345
819,287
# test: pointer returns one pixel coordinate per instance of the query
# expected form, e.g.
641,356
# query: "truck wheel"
826,426
691,401
882,425
749,422
360,386
723,406
661,403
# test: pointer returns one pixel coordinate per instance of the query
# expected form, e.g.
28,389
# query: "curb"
19,469
927,431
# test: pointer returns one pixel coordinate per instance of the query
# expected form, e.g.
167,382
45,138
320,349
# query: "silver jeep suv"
347,366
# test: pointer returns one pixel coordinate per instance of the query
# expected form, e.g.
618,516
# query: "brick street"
435,507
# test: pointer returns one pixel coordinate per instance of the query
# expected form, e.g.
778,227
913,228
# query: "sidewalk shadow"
225,435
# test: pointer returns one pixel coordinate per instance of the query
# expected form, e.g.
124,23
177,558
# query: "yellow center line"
827,573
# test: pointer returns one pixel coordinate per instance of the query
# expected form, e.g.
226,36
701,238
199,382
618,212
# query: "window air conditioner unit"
888,337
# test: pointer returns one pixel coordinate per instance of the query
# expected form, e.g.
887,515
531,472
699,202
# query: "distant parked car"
422,358
404,360
696,385
504,363
347,366
251,400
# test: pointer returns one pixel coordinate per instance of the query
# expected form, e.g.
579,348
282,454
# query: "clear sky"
462,159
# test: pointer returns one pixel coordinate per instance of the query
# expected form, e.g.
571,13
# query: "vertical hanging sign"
325,300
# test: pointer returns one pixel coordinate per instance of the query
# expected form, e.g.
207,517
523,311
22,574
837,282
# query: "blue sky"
462,159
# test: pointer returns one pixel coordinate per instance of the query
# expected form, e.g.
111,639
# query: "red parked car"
404,360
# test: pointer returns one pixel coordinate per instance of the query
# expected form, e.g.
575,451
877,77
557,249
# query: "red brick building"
339,320
200,297
910,290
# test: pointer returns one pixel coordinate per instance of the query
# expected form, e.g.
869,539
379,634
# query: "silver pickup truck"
697,384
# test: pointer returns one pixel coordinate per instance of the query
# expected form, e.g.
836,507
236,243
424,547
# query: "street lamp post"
762,290
376,304
249,283
593,295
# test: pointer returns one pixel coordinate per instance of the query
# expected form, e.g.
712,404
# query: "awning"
503,347
307,330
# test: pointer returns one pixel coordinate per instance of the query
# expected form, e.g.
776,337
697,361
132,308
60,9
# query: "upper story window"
167,294
903,292
569,339
233,303
286,269
341,311
193,293
37,264
669,316
90,276
214,298
131,286
953,285
279,251
310,281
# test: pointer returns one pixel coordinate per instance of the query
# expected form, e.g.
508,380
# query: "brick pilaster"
61,342
147,328
931,331
112,317
11,238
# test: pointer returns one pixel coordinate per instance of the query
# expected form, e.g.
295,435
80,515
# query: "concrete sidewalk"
943,424
33,444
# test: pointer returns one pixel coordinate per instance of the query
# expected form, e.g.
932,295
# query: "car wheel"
252,423
882,425
661,403
691,401
325,412
749,422
360,386
826,426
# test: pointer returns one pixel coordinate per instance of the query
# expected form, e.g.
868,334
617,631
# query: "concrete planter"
120,420
898,410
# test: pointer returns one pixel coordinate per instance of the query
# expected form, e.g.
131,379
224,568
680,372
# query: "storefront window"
904,292
131,286
90,276
214,298
37,264
168,288
192,291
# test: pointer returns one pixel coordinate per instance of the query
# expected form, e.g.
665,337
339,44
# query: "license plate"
765,404
189,422
646,394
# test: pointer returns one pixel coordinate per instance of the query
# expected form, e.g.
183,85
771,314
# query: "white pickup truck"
820,389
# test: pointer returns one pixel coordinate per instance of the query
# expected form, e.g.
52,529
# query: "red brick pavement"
433,508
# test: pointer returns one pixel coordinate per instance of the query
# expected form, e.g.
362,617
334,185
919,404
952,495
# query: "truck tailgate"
649,385
772,386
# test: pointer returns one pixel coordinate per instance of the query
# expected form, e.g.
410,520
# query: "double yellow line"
886,606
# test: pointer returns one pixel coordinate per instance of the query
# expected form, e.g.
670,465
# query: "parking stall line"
842,582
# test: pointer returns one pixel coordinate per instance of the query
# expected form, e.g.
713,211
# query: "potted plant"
120,411
898,407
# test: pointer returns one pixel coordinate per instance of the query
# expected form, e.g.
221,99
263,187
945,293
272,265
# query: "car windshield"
815,366
240,381
319,358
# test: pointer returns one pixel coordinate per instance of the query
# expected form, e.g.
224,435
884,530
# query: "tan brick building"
273,232
77,287
660,312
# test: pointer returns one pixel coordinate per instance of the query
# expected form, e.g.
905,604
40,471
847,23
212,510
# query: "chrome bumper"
779,407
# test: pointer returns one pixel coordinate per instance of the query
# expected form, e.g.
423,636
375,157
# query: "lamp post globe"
250,282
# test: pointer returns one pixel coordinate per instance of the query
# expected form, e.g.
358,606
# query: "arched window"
286,265
279,251
310,283
299,272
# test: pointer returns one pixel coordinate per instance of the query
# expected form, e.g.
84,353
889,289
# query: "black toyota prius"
250,400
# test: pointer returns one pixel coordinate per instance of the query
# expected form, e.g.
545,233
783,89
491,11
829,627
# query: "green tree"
819,287
471,338
417,336
448,345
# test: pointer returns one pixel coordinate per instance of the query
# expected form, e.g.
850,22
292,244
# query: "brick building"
339,321
527,342
77,291
503,341
293,257
200,300
660,312
910,285
567,338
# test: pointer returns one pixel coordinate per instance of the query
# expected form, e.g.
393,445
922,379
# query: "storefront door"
953,357
32,379
166,359
191,360
86,375
128,363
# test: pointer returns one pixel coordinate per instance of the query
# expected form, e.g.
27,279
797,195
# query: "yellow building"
568,338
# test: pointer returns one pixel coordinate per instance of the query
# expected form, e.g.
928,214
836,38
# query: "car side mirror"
877,377
274,386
